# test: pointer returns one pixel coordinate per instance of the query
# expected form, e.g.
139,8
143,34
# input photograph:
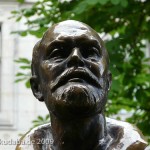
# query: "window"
0,59
7,87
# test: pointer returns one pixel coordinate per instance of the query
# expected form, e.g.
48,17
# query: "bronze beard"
76,95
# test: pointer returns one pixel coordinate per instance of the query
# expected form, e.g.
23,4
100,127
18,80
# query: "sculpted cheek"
103,66
56,69
94,68
51,71
45,68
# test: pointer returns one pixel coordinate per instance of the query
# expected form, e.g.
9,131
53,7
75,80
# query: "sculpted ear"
109,79
36,89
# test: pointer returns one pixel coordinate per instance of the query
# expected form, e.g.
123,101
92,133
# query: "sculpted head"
70,70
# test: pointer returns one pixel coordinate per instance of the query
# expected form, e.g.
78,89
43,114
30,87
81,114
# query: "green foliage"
21,1
128,24
41,120
25,74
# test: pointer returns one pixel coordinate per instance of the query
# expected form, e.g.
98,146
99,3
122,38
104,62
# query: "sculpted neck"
78,133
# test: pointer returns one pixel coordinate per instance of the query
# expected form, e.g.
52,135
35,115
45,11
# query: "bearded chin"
80,98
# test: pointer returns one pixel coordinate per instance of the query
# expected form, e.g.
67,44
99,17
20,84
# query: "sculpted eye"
56,54
91,52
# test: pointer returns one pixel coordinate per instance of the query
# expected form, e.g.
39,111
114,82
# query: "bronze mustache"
81,73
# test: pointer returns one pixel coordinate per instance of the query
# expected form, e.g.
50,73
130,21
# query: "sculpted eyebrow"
91,43
54,44
94,43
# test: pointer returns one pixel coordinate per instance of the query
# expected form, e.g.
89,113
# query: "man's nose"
75,59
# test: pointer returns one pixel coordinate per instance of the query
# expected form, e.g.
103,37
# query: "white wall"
18,105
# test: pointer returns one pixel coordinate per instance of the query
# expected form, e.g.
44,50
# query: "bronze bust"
70,74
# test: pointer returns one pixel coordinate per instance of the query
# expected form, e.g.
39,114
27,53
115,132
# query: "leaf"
103,2
23,60
25,67
92,2
27,84
14,12
142,78
38,33
20,74
20,1
19,18
115,85
28,12
18,80
115,2
40,118
35,121
146,59
47,117
124,3
23,33
80,8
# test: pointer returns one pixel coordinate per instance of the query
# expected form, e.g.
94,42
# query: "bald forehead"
70,29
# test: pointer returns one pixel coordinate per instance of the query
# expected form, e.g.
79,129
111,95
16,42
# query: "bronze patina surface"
70,74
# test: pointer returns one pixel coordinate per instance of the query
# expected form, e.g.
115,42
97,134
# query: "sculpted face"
70,70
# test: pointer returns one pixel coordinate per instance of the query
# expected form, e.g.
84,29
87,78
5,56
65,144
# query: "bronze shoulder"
36,139
125,136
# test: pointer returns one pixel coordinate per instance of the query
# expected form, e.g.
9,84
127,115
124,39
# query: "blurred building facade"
18,107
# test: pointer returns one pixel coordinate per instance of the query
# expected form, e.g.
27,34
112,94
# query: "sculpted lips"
75,75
